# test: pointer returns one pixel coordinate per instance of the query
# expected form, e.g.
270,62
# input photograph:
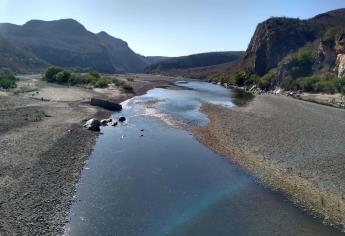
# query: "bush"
95,74
307,83
128,88
63,77
91,79
329,35
339,84
129,78
323,82
50,73
253,79
7,81
118,82
103,82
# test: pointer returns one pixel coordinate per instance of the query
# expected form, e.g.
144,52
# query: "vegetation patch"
91,79
7,81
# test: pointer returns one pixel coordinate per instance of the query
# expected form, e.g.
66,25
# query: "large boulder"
93,125
109,105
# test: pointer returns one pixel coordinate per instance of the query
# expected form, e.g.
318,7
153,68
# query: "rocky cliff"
276,38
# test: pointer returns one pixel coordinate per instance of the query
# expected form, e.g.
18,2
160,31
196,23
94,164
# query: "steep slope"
275,38
194,61
63,43
121,56
17,60
67,43
294,54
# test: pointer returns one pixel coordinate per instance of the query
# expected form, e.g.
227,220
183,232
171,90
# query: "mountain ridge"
67,43
198,60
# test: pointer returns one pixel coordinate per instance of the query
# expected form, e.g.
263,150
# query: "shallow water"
166,183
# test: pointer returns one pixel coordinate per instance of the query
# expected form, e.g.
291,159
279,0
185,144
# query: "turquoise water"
166,183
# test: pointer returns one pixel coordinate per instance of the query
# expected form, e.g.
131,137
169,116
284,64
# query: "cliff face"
276,38
340,50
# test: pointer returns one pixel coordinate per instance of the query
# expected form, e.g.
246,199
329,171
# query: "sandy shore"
44,147
292,146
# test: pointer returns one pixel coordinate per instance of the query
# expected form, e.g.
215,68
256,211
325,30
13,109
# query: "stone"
109,105
93,125
105,122
340,65
122,119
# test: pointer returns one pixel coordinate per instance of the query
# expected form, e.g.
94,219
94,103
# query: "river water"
150,177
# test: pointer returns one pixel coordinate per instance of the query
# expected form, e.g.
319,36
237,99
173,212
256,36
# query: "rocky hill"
67,43
120,55
18,60
194,61
295,54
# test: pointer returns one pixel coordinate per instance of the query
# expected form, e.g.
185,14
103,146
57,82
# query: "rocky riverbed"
292,146
43,147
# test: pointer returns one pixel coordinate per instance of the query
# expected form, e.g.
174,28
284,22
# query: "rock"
93,125
277,91
340,65
142,130
252,88
274,39
105,122
113,106
114,123
122,119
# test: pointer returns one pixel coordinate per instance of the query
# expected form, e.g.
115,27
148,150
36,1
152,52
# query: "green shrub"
128,88
130,78
307,83
118,82
266,81
50,73
339,84
329,35
63,77
253,79
91,79
95,74
103,82
7,81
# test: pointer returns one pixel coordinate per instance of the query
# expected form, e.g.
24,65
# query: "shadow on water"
147,178
241,98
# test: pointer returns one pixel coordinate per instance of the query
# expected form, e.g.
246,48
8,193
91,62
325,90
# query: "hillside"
67,43
17,60
294,54
194,61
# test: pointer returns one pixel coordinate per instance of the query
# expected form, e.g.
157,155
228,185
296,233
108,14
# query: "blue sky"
168,27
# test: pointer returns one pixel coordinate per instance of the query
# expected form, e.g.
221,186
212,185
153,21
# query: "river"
149,177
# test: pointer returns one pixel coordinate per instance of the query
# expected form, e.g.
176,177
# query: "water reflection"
146,178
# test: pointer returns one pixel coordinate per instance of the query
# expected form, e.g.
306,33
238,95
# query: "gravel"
293,146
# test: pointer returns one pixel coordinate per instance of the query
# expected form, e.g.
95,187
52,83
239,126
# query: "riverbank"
290,145
44,147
